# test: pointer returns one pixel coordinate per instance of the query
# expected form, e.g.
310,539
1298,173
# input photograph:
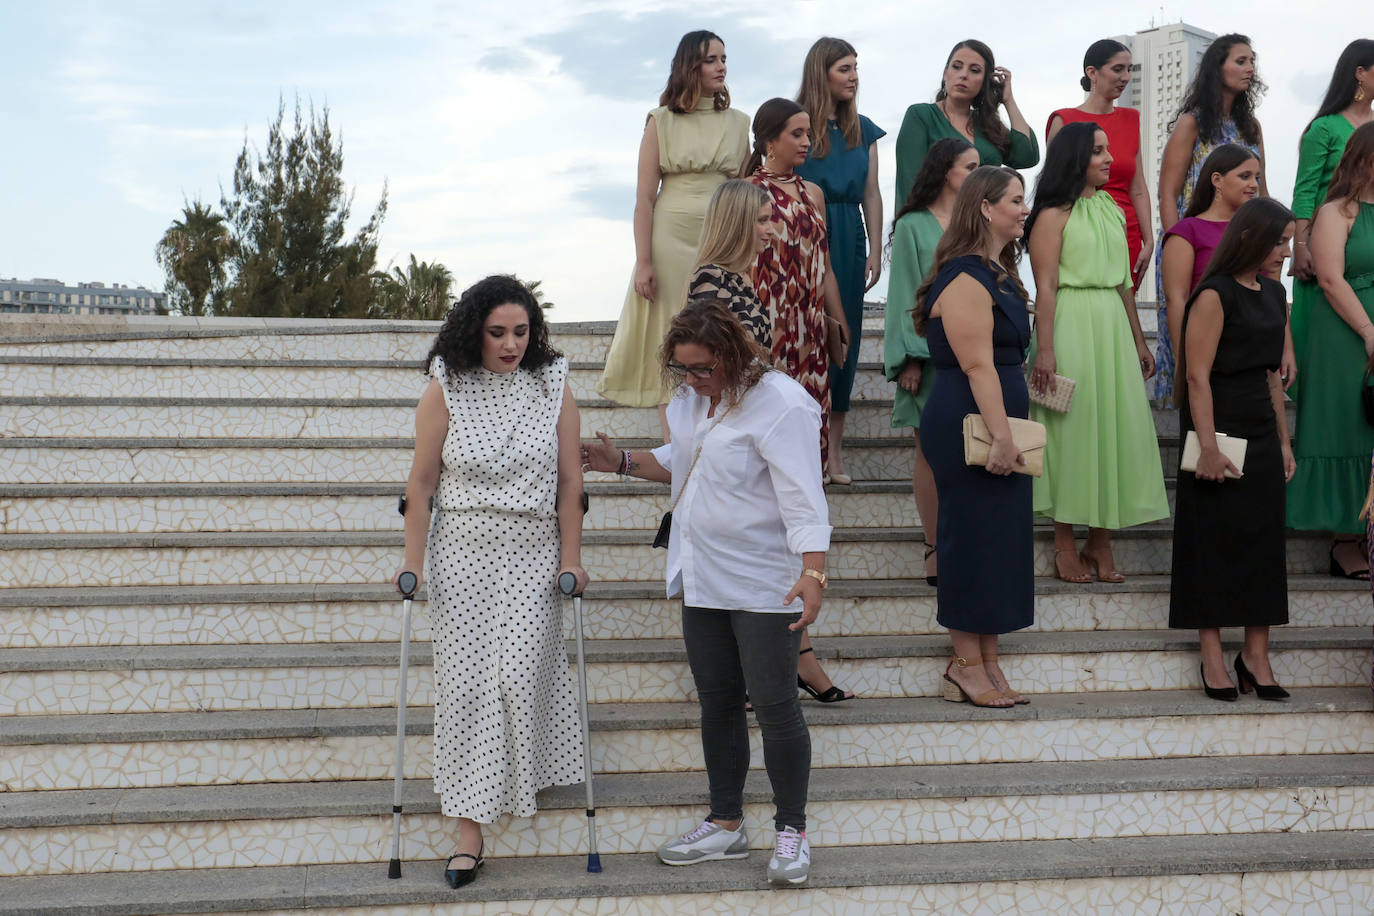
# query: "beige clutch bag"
1028,436
1231,446
1059,399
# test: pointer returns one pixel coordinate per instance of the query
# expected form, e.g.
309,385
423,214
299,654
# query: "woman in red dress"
1106,73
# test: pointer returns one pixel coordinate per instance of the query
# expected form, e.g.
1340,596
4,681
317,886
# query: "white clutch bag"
1232,447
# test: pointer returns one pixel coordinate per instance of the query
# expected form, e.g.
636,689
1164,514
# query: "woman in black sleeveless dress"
986,566
1229,566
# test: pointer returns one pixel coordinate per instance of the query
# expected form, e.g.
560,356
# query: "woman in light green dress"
1345,107
915,233
1102,466
1333,435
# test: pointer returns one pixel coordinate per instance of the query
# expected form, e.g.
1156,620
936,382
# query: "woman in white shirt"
749,532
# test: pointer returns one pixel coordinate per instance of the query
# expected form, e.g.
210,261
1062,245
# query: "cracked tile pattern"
207,465
205,421
99,514
399,345
20,380
304,841
219,761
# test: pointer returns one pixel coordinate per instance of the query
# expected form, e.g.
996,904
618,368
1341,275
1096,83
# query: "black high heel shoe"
1229,694
931,580
457,877
1247,681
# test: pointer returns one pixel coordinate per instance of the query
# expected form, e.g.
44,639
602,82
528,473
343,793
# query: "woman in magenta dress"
1106,74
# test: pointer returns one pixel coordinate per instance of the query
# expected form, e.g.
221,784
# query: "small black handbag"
1367,396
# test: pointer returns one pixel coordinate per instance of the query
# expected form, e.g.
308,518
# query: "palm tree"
194,252
534,288
420,292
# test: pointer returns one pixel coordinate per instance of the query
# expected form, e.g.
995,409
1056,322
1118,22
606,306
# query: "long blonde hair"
815,96
727,234
968,232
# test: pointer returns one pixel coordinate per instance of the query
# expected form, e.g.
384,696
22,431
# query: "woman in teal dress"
1102,466
971,90
1218,108
915,233
1334,438
1345,107
844,162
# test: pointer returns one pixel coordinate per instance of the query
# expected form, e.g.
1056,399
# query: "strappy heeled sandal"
833,695
951,690
1080,579
1095,568
1010,694
930,552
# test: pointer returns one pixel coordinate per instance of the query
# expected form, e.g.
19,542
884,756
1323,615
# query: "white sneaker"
791,858
707,842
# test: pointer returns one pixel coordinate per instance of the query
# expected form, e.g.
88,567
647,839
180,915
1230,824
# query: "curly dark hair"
459,341
713,326
1203,98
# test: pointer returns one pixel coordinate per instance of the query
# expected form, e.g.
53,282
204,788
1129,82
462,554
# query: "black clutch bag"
1367,397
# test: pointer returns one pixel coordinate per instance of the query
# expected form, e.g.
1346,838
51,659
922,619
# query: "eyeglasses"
682,371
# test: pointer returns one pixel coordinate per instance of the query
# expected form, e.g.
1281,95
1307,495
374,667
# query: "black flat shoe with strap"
457,877
833,695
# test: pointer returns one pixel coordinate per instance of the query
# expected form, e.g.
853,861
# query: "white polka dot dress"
505,711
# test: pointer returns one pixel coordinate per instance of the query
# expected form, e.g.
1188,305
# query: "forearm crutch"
407,582
567,584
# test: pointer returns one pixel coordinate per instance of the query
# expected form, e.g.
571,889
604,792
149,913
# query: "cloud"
505,60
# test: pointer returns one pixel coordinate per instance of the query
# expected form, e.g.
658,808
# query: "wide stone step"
1275,874
344,460
324,823
42,753
186,507
371,557
94,680
294,614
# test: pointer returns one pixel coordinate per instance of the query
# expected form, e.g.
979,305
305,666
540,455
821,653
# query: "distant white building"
1163,61
53,297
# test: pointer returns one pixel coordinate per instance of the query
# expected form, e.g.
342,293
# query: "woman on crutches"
746,538
496,446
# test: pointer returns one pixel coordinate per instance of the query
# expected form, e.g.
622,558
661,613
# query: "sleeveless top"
501,450
790,272
1011,330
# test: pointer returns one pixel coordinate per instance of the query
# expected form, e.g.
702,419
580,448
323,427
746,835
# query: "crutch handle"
567,583
407,582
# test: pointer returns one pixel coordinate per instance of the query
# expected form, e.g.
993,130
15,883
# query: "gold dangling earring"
1359,93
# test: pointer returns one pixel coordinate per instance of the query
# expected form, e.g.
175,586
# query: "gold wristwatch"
818,576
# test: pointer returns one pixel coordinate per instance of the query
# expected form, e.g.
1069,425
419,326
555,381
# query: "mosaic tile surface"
206,465
298,841
90,515
158,763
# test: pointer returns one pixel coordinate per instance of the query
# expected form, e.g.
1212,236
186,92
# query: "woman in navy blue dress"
972,309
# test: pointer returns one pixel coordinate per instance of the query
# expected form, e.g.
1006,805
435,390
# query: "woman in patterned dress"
739,225
1219,107
692,142
496,448
793,276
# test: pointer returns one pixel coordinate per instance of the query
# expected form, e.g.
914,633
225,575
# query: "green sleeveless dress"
1102,465
1333,439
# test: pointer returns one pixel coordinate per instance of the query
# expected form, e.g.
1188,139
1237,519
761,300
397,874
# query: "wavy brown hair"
1204,95
814,95
988,98
683,91
968,232
1354,175
711,325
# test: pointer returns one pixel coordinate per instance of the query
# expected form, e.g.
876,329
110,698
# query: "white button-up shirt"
753,504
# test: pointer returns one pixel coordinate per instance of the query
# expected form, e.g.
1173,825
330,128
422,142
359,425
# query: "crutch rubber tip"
594,863
393,870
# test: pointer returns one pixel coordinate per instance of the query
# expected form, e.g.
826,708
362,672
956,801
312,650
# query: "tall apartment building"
1163,61
53,297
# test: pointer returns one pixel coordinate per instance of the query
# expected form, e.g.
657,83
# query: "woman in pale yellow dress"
692,143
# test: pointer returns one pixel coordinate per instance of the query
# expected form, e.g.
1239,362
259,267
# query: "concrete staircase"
198,650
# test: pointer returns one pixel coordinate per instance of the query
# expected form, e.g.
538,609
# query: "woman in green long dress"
972,88
1102,466
1334,439
915,233
1345,107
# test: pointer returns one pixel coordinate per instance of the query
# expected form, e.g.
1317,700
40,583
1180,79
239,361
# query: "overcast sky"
506,131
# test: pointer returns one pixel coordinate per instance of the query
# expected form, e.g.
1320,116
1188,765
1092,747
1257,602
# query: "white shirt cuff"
809,538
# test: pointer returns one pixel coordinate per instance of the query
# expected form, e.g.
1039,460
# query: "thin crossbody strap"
691,467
